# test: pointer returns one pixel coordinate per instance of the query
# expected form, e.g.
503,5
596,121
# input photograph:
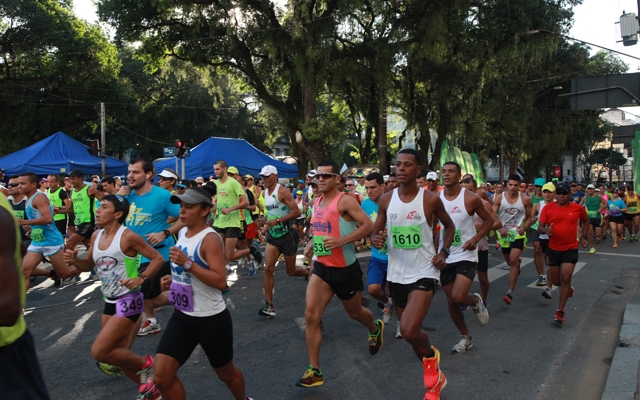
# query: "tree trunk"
382,131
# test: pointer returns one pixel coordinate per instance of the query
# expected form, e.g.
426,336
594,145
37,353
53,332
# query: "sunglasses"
349,184
537,186
467,180
181,187
12,185
96,181
326,175
163,178
561,193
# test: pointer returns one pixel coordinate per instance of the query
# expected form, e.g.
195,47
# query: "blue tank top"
43,235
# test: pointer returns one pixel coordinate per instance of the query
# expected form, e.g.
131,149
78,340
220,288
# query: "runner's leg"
271,255
566,272
318,296
412,317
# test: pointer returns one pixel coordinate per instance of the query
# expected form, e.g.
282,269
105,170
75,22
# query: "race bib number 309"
181,296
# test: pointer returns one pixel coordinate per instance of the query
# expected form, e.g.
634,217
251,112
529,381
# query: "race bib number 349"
406,237
130,304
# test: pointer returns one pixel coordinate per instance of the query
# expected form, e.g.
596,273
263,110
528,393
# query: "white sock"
152,321
389,303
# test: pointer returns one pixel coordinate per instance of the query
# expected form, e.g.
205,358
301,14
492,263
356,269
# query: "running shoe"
312,377
464,308
481,312
149,329
252,269
486,304
463,345
146,372
542,281
376,339
624,237
268,310
94,275
109,369
572,292
508,299
398,333
387,314
431,367
56,281
615,245
434,393
559,317
546,293
149,391
597,239
226,291
592,251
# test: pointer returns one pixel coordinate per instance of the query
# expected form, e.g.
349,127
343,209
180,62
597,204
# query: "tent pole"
103,149
177,170
184,170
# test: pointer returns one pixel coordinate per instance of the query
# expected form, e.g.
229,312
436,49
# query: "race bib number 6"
406,237
181,296
130,304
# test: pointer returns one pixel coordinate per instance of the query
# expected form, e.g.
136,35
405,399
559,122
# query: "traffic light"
181,148
94,147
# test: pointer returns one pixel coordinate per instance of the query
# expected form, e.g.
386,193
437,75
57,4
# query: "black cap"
564,186
76,173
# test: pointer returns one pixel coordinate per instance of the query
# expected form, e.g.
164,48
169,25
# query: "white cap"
590,186
312,173
168,174
386,178
432,176
268,170
200,179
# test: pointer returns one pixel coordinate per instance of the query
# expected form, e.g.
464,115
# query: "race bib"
510,236
384,249
592,214
181,296
406,237
130,304
319,248
457,238
633,209
37,235
536,225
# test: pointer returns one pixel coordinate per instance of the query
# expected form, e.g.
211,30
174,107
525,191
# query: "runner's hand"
502,232
177,256
165,283
70,256
308,249
470,245
549,230
132,283
225,211
125,190
332,243
271,223
584,242
521,230
439,261
378,240
155,238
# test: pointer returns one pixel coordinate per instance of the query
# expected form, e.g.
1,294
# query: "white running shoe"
547,293
387,314
398,334
463,345
149,329
481,311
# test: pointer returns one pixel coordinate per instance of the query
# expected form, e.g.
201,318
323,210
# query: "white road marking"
502,269
578,267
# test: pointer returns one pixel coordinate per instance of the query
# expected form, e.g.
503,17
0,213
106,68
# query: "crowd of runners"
174,242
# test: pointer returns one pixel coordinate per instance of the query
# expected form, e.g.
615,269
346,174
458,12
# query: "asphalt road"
521,354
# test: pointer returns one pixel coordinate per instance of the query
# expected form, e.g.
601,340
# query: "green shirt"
228,195
535,199
82,206
56,202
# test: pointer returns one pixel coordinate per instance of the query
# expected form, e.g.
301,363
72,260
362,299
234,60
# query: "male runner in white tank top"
414,267
457,277
514,210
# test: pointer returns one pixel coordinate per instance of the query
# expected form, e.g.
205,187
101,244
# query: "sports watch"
187,265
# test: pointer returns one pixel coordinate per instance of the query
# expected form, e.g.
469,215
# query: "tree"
602,160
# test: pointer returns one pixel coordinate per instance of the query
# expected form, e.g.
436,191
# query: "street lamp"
536,31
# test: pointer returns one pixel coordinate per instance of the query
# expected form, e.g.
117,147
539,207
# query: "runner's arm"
497,224
603,204
137,243
84,263
290,203
41,203
378,239
478,208
213,253
439,260
9,275
526,202
350,206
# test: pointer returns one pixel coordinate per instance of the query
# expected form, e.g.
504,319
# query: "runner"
230,200
393,181
68,187
560,220
576,196
151,215
245,240
616,208
499,188
421,179
114,252
483,246
457,277
82,197
168,179
109,185
336,270
19,203
538,252
281,237
514,210
594,204
432,183
413,270
197,279
46,240
360,188
631,215
541,241
21,377
377,272
60,202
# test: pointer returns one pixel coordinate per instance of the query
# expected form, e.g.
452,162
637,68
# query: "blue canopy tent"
236,152
59,154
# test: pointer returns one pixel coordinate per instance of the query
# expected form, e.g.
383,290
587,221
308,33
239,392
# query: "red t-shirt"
565,224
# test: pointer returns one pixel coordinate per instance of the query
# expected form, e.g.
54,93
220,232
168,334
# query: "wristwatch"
143,276
187,265
277,220
166,233
446,251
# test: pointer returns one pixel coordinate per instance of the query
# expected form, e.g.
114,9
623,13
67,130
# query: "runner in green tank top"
594,205
60,202
82,198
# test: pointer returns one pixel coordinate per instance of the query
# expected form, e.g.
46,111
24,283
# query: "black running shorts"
344,282
516,244
110,310
229,233
85,230
483,260
557,258
287,244
21,377
184,332
464,268
400,292
151,287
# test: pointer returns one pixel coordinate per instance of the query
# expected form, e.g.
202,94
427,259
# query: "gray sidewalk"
622,382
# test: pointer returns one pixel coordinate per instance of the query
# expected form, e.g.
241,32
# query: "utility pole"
103,149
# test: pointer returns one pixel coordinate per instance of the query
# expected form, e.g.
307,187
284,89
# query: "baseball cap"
360,174
564,186
590,186
523,185
168,174
432,176
300,181
232,171
549,186
268,170
312,173
248,176
299,192
539,182
200,179
386,178
76,173
43,180
192,196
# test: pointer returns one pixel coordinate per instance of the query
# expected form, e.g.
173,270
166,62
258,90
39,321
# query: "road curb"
622,381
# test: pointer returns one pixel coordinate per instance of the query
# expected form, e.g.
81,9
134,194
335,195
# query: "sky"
594,22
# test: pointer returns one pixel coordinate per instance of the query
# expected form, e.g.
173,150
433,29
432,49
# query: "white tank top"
511,215
207,301
113,265
465,229
542,204
275,209
408,227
